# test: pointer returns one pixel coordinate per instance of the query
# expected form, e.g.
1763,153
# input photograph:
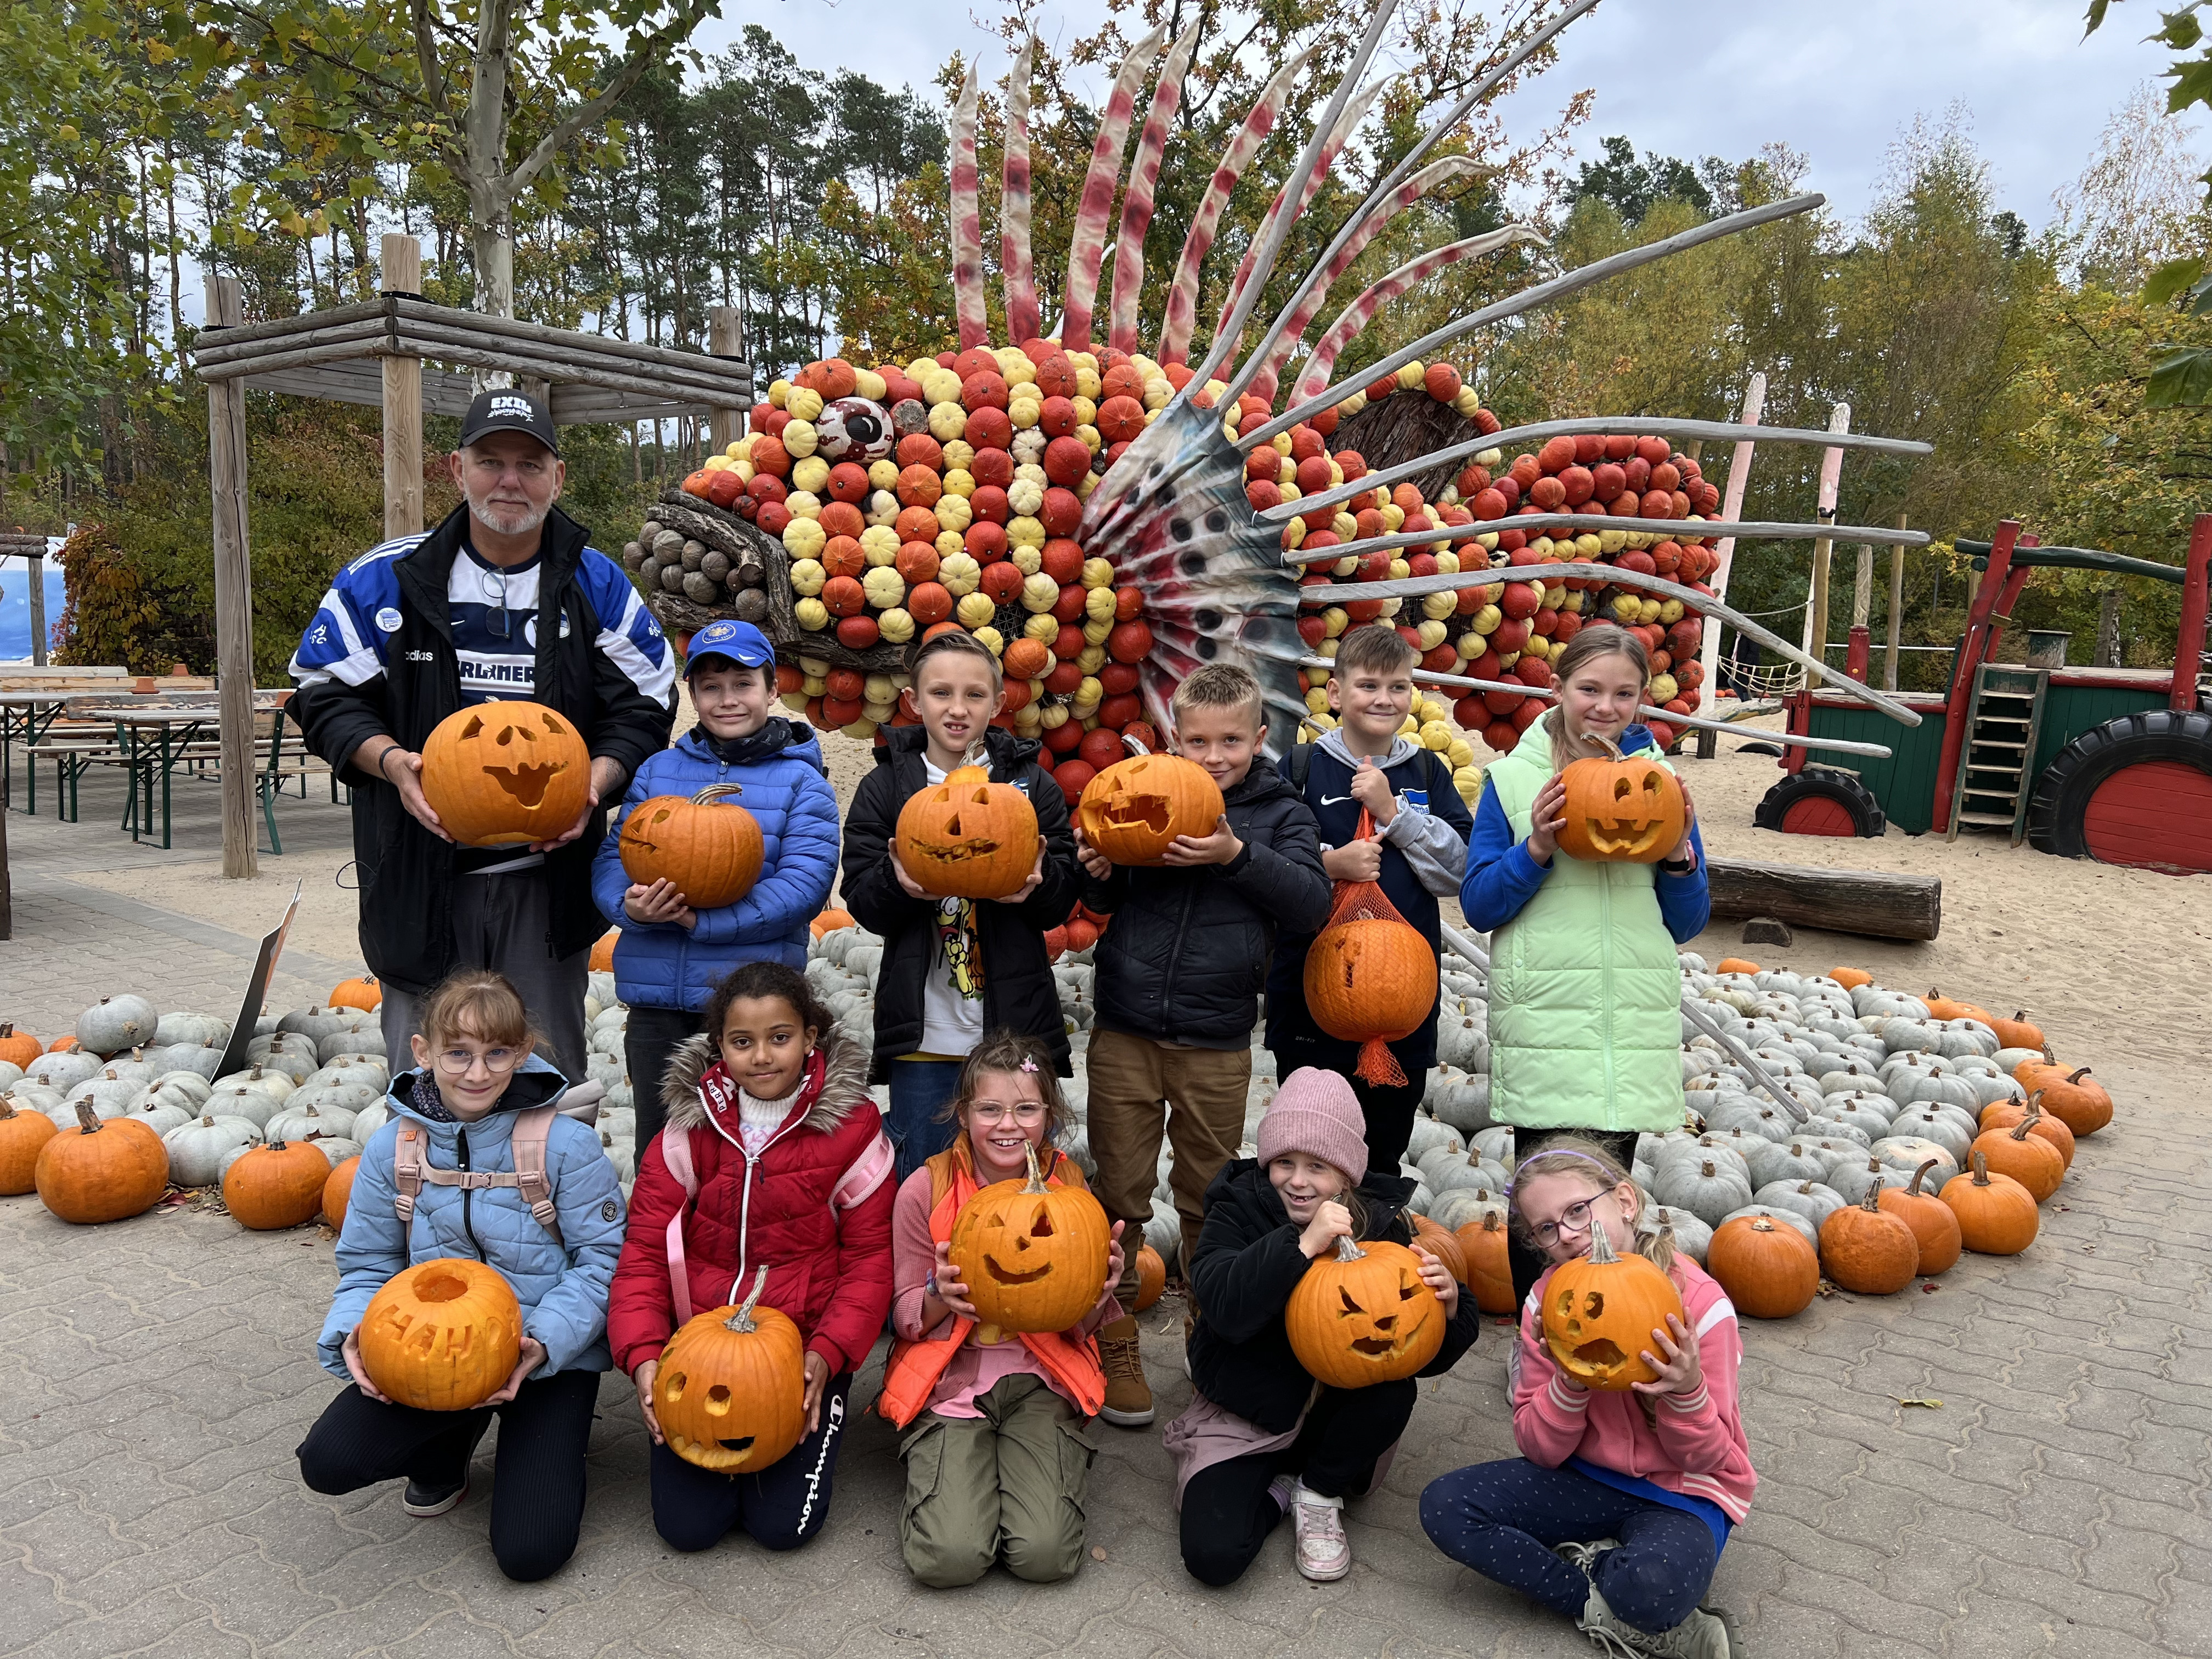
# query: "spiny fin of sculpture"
1138,200
1086,249
1015,259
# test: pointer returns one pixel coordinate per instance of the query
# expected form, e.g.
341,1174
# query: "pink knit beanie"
1316,1112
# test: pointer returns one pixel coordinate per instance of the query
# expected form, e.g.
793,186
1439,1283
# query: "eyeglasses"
1026,1113
456,1062
1576,1219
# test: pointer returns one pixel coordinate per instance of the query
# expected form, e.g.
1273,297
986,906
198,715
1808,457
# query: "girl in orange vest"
995,1452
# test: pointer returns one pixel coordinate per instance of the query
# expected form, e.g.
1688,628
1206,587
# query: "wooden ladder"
2002,723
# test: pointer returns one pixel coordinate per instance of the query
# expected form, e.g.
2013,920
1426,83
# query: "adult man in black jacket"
504,599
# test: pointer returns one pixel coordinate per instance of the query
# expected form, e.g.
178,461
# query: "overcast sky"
1690,77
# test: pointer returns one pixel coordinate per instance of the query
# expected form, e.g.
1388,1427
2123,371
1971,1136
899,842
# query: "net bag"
1370,977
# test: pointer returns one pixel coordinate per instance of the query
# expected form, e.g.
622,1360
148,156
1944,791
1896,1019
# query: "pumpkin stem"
1981,1168
741,1321
1872,1202
7,1107
1348,1251
1919,1175
2049,1058
86,1117
1601,1253
2025,1127
1611,748
714,792
1036,1182
2079,1075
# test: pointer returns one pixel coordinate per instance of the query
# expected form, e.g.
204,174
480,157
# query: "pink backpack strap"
407,1153
531,1130
868,1172
676,1152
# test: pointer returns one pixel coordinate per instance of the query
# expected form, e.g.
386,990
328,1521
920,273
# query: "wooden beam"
563,340
280,328
701,375
582,405
361,380
1816,605
1738,479
635,378
233,595
726,338
1881,904
216,350
1896,612
38,599
403,403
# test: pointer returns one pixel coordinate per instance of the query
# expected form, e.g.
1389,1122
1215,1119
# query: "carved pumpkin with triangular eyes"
503,774
968,837
1364,1315
1621,810
1133,810
1032,1255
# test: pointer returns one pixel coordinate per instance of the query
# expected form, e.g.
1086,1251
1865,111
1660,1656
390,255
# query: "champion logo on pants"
831,1427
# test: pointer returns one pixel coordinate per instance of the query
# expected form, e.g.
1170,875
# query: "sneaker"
1324,1552
1129,1403
1585,1556
1700,1636
423,1501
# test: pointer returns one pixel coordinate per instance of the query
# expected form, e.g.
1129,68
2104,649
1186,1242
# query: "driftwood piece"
1881,904
1404,426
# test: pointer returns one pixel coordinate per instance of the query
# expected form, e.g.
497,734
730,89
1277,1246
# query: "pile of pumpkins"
1917,1128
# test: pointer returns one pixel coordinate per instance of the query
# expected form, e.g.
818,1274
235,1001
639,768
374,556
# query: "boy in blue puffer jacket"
540,1204
671,957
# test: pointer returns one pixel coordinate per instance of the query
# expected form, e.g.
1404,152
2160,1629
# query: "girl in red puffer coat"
774,1156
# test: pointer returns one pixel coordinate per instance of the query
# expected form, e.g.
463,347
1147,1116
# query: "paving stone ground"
156,1374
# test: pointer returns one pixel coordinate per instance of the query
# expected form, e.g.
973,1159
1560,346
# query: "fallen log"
1879,903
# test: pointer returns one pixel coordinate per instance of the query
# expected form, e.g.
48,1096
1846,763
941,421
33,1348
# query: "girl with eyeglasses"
543,1206
1616,1511
994,1447
773,1156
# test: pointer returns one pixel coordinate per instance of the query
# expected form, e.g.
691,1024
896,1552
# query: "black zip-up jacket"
1247,1264
1019,991
1186,957
405,871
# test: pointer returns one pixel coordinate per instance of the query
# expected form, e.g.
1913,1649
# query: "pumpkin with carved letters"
1620,810
441,1335
504,774
968,837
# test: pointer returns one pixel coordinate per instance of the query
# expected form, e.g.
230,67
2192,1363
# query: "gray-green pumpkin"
197,1150
114,1024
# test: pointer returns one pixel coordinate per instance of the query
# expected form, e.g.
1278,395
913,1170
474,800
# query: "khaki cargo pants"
1006,1486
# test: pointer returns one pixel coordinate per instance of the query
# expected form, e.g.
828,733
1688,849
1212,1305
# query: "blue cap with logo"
740,641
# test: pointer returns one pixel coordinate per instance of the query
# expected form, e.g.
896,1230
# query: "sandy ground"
2110,961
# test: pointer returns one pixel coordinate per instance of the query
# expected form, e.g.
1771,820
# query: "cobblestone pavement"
156,1375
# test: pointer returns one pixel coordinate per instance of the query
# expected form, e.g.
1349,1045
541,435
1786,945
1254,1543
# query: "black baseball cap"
505,409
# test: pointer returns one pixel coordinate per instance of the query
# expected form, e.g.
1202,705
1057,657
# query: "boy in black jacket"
1179,974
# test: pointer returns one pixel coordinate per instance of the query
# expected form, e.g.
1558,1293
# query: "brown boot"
1128,1396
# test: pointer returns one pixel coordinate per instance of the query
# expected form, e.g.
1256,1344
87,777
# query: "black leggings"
1227,1509
1528,1263
538,1474
648,1040
780,1508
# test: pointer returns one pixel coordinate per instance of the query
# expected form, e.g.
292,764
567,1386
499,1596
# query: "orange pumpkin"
276,1186
1735,965
1033,1257
2027,1156
62,1045
2018,1032
712,854
731,1392
503,774
1151,1277
1599,1312
21,1136
105,1170
603,951
1133,810
1865,1248
1364,1315
1768,1271
2084,1108
1441,1242
1621,810
1943,1007
1371,980
2003,1114
441,1335
364,993
337,1192
1851,978
1930,1218
967,838
830,921
18,1048
1997,1214
1489,1269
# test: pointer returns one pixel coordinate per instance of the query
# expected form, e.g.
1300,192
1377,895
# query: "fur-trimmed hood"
842,1090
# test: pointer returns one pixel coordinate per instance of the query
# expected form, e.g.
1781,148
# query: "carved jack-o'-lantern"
499,774
1033,1257
1599,1312
1364,1315
968,837
1133,810
1621,810
712,853
1371,980
731,1392
441,1335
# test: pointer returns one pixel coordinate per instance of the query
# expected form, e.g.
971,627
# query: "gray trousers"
502,922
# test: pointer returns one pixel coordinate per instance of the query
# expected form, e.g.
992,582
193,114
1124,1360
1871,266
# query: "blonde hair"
1598,640
1376,646
478,1003
1220,685
1573,1156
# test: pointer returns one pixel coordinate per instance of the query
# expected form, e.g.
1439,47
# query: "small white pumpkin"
197,1150
117,1023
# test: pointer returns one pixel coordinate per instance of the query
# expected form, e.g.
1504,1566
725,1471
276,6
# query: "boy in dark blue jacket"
669,956
1180,972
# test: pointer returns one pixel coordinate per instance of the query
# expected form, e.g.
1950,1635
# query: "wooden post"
2189,641
2108,628
1973,650
1862,589
726,338
38,599
1896,612
1816,607
403,403
233,592
1739,476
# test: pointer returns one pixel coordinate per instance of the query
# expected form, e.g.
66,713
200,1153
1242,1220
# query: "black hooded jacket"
1186,957
1247,1264
1019,990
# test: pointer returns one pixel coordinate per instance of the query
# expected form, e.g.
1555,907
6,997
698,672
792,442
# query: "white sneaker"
1700,1636
1324,1552
1585,1556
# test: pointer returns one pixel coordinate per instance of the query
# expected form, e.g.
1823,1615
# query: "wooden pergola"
374,352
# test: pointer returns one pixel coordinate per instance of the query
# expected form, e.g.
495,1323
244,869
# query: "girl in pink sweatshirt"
1616,1511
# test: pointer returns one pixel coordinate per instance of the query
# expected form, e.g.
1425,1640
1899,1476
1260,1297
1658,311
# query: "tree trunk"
492,211
2108,630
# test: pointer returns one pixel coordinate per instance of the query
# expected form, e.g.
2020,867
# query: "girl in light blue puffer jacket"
471,1097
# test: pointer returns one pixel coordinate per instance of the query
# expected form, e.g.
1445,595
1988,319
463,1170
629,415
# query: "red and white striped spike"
967,223
1294,332
1138,199
1357,315
1181,314
1023,318
1086,249
1339,135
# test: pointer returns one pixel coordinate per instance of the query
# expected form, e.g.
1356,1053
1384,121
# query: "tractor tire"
1820,802
2136,791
